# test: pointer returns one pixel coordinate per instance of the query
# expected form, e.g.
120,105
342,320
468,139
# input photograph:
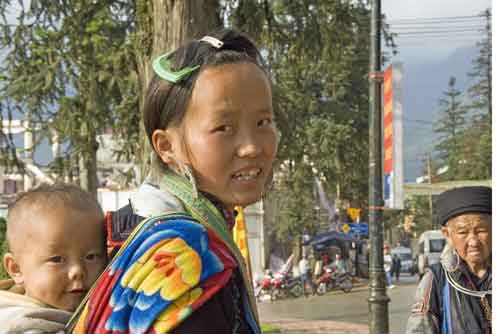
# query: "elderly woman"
454,296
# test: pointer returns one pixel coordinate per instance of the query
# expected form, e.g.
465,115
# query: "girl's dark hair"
166,103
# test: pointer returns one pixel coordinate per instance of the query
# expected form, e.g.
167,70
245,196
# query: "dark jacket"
467,313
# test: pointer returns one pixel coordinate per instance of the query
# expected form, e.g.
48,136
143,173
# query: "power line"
417,121
439,19
421,32
437,27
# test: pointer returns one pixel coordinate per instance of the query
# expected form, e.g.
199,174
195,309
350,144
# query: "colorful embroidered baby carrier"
168,267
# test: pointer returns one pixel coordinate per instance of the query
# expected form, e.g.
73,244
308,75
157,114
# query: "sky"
437,39
423,51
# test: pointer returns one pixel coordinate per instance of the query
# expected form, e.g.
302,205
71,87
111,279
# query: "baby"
56,250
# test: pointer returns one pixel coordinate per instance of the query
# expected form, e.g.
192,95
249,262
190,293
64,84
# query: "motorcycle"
265,286
280,286
331,280
284,285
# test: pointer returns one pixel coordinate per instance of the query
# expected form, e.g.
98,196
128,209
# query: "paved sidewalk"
294,326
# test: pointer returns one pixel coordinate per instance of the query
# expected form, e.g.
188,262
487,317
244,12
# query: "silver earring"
187,172
450,259
456,260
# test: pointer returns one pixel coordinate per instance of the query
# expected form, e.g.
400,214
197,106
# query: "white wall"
254,218
113,200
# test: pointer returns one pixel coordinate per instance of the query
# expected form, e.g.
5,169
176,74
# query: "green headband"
161,65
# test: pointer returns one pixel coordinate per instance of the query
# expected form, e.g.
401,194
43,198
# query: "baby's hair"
166,103
48,195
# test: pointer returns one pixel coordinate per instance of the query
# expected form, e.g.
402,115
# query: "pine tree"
477,147
480,91
67,68
451,127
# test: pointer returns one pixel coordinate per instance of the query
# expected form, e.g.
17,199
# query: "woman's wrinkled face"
228,135
470,235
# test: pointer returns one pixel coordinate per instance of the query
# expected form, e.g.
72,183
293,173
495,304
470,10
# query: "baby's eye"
92,256
56,259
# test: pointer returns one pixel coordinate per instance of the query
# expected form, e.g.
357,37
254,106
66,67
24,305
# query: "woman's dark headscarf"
458,201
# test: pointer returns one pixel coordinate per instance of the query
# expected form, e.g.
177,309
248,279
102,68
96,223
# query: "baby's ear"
12,267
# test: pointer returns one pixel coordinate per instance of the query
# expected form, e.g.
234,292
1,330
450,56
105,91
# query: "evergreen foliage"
451,127
465,146
70,67
317,53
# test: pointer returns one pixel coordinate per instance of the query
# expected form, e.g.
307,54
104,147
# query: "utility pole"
378,301
429,179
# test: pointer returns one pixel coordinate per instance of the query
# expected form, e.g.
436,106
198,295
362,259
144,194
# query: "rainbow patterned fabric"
168,268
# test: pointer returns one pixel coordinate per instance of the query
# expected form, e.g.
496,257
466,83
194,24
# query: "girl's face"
228,135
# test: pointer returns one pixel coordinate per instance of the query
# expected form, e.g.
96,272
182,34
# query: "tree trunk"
88,164
88,155
162,25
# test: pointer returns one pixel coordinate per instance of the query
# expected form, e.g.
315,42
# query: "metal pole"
377,300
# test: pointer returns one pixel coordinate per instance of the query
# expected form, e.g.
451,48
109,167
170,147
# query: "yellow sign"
345,228
354,213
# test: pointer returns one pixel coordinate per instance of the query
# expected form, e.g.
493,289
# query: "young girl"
209,117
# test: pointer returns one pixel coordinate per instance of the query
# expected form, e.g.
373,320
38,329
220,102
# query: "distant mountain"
423,87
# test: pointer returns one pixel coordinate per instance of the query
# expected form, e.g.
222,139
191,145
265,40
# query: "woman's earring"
456,260
450,259
187,172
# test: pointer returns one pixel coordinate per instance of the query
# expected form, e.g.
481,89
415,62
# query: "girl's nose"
250,147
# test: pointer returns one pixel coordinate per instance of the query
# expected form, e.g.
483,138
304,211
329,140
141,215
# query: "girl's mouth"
248,174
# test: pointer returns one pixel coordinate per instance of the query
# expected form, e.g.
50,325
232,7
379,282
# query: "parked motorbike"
280,286
331,280
284,285
265,286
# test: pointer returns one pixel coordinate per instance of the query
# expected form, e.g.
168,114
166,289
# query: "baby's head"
56,241
217,118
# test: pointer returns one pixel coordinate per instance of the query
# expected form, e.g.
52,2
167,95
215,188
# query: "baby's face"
63,255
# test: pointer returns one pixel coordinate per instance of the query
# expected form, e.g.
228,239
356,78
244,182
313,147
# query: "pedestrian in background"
396,266
304,271
455,295
340,264
388,266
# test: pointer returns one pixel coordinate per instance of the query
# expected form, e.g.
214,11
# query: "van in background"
429,248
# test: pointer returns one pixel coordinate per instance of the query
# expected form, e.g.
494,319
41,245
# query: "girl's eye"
264,122
56,259
222,128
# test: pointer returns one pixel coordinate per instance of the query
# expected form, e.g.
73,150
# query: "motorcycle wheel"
297,290
346,284
321,290
278,294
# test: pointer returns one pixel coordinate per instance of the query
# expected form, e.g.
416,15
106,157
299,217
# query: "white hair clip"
212,41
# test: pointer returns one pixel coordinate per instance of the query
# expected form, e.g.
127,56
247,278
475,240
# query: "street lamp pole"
378,300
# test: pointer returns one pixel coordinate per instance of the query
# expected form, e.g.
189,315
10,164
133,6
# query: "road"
349,308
